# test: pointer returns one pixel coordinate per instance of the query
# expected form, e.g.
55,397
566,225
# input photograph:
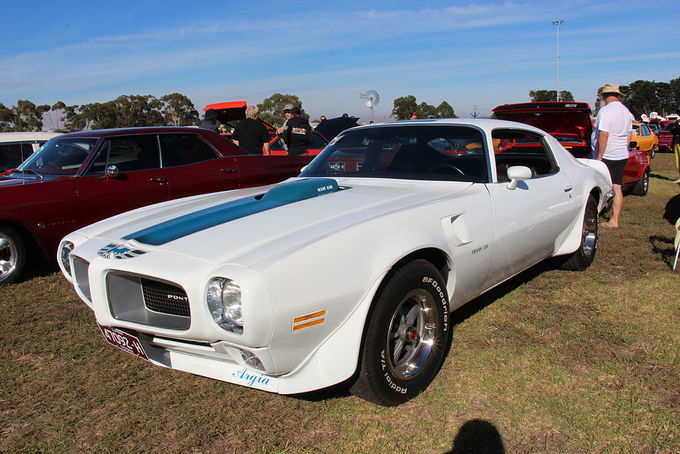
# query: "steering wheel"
441,167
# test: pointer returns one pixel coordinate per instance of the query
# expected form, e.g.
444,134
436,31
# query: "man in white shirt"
613,129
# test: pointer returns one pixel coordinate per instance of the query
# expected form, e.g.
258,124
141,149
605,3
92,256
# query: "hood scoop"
280,195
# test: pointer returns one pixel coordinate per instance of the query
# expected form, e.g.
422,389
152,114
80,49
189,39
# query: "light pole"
557,23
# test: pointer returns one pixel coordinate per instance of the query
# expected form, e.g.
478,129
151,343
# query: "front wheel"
585,254
407,336
12,255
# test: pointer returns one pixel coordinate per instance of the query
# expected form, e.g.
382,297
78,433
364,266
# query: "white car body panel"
330,254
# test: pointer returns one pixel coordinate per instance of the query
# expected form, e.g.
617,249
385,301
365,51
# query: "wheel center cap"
412,334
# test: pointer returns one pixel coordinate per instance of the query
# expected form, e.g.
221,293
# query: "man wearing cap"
613,129
295,130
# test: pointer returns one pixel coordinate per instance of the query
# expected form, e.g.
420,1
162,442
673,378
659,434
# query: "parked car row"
570,123
80,178
347,272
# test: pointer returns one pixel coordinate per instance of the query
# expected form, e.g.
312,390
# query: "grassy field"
551,362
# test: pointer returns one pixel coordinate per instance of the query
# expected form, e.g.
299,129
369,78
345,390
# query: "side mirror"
111,171
517,174
632,145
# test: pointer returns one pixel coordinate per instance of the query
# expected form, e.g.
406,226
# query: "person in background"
251,134
322,118
413,116
210,121
295,131
676,144
613,129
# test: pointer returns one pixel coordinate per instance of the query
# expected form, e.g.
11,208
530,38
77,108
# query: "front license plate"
124,341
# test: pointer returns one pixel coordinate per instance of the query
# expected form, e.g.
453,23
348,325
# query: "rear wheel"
407,336
642,185
585,254
12,255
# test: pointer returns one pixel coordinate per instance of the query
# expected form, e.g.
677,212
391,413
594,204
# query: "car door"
260,170
126,174
193,167
528,219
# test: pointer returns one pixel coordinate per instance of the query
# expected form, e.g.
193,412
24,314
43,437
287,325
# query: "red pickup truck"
570,123
79,178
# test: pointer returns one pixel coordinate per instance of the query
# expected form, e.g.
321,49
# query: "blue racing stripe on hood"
280,195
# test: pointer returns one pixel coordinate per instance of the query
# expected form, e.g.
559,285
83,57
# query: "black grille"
165,298
80,268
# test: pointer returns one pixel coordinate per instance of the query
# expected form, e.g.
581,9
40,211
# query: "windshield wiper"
34,172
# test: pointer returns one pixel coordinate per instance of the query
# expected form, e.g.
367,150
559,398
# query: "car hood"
256,225
553,118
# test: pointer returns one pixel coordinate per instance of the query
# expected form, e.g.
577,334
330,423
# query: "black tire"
641,187
585,254
13,255
407,336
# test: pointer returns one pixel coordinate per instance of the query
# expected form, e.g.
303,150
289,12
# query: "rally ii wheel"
585,254
12,255
407,336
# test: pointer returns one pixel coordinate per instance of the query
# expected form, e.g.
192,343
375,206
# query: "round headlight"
224,302
64,253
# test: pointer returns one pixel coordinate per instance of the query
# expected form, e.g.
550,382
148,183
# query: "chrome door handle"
229,170
160,180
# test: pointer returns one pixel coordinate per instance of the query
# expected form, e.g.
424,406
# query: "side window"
26,150
521,148
128,153
183,149
645,130
10,156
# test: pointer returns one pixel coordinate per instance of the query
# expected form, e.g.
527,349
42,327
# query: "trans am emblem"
118,251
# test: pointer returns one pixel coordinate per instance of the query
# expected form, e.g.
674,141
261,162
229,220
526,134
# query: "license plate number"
126,342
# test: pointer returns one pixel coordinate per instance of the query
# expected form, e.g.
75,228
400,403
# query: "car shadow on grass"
478,304
664,247
660,177
479,437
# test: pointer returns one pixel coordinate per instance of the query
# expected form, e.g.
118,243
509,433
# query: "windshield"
59,156
412,152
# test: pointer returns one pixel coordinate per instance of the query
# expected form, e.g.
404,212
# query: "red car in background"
79,178
666,136
231,112
570,123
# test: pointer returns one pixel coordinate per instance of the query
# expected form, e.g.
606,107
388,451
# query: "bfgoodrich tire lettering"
407,336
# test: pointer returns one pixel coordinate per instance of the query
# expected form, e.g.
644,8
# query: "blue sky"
470,53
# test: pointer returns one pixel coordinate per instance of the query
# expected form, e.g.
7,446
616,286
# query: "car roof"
6,137
138,130
486,124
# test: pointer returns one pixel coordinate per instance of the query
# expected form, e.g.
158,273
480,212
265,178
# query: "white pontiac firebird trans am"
347,273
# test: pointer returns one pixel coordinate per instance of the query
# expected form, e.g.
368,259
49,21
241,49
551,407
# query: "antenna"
372,99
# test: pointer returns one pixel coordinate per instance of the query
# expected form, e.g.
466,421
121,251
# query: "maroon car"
570,124
80,178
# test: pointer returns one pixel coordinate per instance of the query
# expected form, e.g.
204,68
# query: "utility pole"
474,111
557,23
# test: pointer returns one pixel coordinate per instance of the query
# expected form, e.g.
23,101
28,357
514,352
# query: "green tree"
444,110
406,105
178,110
271,109
403,107
7,118
25,116
550,95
